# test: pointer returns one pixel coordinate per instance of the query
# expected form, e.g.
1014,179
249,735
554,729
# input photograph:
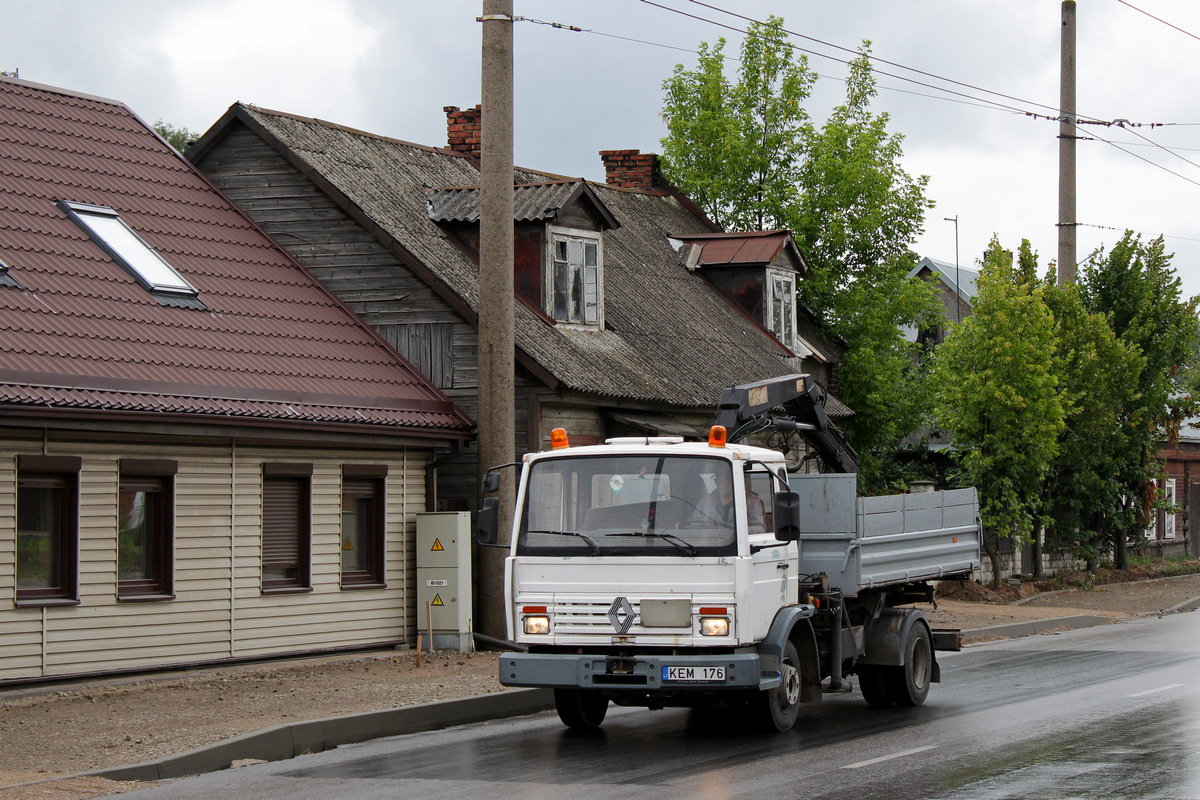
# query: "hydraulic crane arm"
754,407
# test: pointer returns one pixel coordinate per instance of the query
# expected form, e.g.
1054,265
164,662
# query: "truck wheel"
908,685
580,710
872,682
778,708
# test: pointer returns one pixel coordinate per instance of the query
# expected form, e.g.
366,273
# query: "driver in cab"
717,505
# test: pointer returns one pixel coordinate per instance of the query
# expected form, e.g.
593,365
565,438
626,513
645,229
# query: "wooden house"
616,333
204,455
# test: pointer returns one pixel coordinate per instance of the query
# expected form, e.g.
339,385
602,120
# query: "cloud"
302,56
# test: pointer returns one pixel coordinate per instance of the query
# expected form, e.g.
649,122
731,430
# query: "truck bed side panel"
892,539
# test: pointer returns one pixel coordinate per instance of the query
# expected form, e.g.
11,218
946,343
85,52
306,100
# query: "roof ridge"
45,87
353,131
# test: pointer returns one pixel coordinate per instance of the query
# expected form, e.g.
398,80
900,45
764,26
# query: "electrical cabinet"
444,580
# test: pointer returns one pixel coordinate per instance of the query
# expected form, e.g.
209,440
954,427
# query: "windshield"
653,504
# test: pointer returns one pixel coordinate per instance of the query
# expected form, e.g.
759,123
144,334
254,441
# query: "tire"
873,685
580,710
908,685
776,709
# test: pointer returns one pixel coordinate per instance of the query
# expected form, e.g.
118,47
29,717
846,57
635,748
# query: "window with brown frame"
363,525
286,527
146,529
47,528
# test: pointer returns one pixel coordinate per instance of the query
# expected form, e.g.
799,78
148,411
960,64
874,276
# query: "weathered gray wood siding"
369,279
219,610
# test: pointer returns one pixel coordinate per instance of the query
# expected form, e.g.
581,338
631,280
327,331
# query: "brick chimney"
462,129
631,169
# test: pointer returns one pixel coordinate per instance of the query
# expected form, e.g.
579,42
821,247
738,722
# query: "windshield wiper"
682,545
592,543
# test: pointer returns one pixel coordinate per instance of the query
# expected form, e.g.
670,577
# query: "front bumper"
640,673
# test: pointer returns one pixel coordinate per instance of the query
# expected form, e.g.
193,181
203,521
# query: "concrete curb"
287,741
1035,626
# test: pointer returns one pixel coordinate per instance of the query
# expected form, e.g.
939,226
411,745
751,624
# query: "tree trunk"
1038,536
992,548
1121,550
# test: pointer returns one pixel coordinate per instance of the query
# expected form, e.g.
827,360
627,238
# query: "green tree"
1137,290
750,156
735,148
997,393
179,138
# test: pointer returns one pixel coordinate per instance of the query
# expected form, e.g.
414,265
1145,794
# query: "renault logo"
620,614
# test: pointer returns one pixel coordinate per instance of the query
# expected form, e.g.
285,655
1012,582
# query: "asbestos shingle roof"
534,202
81,333
669,337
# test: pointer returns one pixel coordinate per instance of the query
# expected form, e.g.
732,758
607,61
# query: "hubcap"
790,687
920,666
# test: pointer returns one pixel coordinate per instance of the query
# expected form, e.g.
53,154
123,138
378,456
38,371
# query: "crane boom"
747,408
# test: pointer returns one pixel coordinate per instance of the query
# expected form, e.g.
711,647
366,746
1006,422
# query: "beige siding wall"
219,610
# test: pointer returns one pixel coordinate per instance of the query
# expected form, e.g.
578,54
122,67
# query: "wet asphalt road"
1108,712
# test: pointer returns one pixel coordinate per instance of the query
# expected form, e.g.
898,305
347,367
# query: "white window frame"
1169,518
130,251
581,239
786,332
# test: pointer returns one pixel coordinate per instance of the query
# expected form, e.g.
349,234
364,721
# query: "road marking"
1155,691
901,754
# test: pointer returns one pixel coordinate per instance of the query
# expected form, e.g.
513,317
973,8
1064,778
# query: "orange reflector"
717,436
816,602
954,540
533,609
707,610
558,438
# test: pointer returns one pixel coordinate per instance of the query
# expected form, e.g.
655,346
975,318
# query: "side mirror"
787,516
491,482
487,521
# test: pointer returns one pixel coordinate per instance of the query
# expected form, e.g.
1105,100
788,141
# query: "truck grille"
596,618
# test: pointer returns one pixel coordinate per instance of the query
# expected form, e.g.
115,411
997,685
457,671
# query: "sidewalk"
280,709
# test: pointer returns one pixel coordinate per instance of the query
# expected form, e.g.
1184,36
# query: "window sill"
144,598
34,602
363,585
287,590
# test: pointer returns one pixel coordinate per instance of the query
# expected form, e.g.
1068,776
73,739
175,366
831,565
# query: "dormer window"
782,302
574,279
126,248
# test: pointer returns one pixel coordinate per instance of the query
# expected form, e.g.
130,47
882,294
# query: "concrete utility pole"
497,349
1067,225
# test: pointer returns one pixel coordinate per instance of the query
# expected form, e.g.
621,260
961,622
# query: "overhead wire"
798,48
1158,19
958,97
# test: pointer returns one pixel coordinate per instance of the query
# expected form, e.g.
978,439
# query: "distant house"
204,455
1177,532
956,290
627,321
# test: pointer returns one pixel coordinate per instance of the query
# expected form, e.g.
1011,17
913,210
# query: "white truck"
656,572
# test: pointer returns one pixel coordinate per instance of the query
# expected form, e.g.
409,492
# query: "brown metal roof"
721,249
80,332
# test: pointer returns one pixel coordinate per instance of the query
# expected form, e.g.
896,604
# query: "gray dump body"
871,542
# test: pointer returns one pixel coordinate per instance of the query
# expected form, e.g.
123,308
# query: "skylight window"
5,278
108,230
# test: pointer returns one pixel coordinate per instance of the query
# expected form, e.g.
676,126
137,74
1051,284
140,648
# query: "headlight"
537,625
714,626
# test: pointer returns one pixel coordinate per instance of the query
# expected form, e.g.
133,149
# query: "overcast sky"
390,67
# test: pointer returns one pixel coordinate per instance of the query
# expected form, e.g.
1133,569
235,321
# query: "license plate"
694,674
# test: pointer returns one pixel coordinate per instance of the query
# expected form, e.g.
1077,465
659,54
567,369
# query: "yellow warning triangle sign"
437,600
437,545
